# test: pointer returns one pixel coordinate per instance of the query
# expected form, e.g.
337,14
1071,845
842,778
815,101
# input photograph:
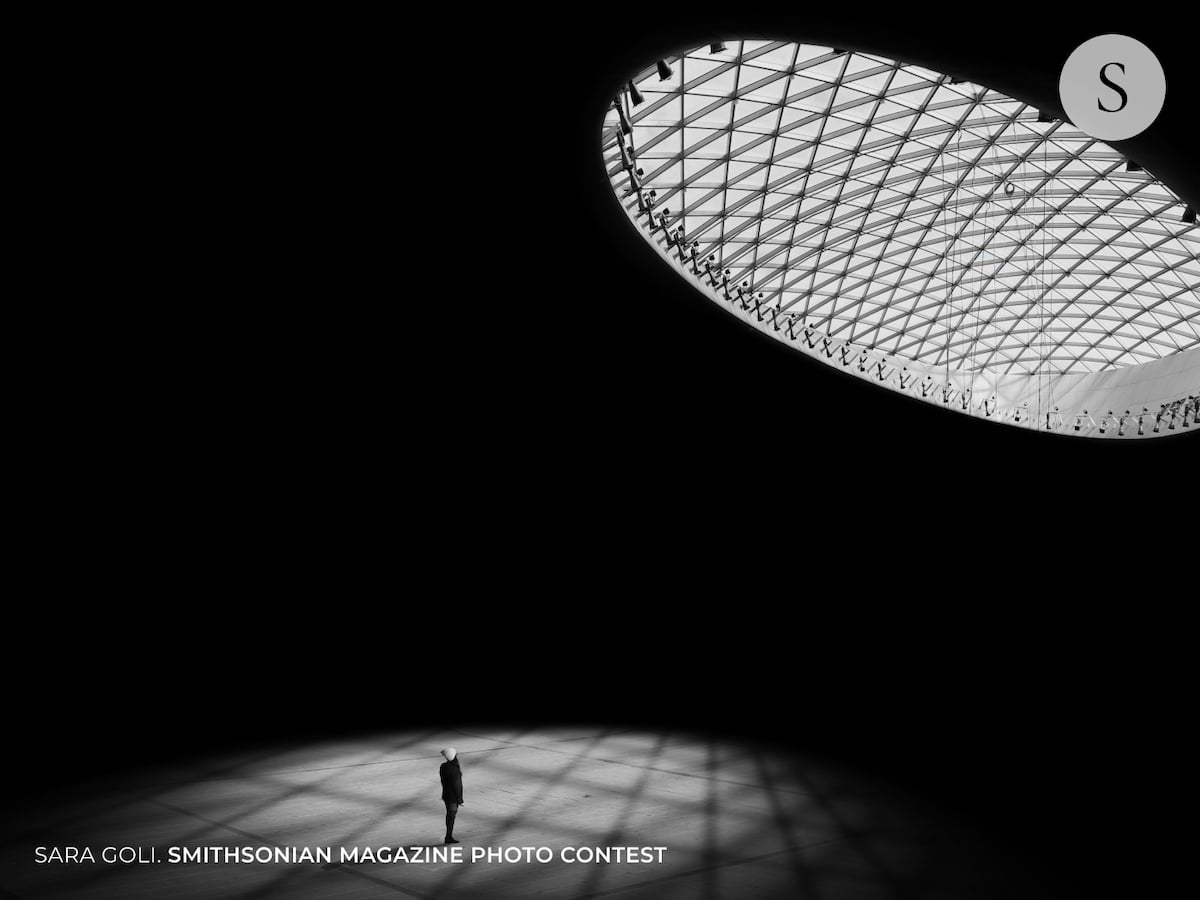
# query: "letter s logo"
1112,87
1116,87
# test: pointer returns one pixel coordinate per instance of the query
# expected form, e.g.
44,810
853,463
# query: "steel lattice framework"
890,207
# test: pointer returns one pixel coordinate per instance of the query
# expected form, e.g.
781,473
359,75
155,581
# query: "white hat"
449,753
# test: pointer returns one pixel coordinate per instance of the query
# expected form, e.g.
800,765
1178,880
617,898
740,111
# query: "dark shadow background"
358,404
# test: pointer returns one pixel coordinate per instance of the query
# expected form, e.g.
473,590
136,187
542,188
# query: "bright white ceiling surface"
1022,270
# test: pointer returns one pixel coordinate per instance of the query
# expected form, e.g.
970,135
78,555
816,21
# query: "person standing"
452,790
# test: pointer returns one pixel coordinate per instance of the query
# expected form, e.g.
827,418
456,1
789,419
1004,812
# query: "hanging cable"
948,301
1041,281
990,226
1031,261
964,258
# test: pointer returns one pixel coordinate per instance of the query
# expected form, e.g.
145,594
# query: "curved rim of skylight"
922,218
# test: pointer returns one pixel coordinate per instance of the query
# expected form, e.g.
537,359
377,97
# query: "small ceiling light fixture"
1044,116
626,128
1131,166
635,95
1189,216
716,47
664,71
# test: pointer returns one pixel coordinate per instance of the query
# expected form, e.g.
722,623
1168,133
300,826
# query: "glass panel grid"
935,222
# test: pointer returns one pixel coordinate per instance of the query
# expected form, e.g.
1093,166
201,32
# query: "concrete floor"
739,822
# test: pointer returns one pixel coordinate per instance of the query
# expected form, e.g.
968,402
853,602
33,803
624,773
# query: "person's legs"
451,812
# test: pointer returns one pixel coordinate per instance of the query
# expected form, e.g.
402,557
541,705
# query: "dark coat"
451,781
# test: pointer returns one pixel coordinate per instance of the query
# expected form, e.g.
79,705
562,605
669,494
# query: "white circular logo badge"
1112,87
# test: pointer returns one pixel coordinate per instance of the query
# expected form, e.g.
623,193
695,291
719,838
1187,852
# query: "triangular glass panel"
812,102
744,141
721,84
770,91
695,105
907,76
857,63
809,52
779,59
698,140
828,71
754,178
697,66
746,111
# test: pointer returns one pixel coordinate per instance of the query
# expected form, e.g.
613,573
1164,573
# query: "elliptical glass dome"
920,231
